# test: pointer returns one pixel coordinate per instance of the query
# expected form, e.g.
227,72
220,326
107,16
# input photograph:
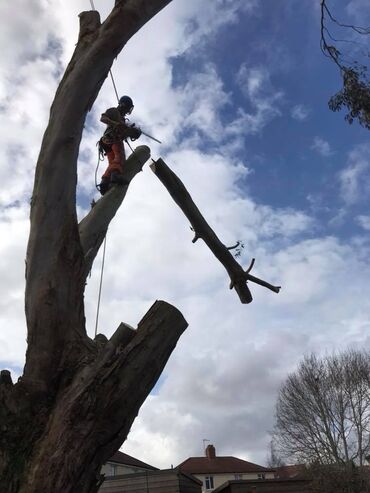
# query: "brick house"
213,471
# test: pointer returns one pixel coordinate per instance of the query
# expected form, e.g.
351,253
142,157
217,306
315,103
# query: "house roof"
271,482
159,472
293,471
127,460
199,465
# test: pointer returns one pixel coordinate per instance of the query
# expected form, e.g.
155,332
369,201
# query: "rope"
105,239
96,172
128,143
100,286
114,85
100,158
110,71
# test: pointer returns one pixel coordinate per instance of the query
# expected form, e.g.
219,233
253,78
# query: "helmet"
126,104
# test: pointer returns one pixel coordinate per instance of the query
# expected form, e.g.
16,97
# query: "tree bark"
77,398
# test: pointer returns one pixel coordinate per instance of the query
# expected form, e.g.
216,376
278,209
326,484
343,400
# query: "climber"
111,144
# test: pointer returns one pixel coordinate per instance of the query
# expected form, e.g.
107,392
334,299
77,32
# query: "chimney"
210,452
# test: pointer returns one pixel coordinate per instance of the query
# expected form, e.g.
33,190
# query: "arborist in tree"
111,144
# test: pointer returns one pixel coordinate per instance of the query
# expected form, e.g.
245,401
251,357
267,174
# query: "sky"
237,91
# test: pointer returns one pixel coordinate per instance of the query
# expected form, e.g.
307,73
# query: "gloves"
135,133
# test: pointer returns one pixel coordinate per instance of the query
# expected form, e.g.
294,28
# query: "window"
238,476
261,475
113,469
209,482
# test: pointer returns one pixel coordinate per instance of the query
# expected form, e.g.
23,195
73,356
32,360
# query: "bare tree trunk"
77,398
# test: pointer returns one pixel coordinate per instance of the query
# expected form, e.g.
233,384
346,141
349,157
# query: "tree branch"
234,246
128,16
94,226
202,230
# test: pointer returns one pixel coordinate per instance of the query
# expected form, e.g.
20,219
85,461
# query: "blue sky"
291,159
237,91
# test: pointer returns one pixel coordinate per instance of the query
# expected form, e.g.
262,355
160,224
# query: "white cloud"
322,147
204,98
264,99
364,222
354,179
300,112
359,11
13,233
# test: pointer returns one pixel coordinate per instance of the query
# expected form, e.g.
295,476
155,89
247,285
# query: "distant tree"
323,411
273,458
355,93
343,478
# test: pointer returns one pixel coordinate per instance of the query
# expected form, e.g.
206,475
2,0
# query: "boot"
103,186
117,179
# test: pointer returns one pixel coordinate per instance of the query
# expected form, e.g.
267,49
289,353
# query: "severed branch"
94,226
201,228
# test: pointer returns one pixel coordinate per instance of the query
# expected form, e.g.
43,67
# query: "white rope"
105,239
100,286
110,71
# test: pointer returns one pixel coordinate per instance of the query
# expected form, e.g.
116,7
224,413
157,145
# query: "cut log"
179,193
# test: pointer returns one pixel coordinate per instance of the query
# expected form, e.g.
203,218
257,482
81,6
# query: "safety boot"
103,186
117,179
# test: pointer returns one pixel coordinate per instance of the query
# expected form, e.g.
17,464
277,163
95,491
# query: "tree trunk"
77,398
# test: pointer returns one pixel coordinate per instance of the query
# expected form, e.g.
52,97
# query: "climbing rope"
96,185
110,71
100,286
114,85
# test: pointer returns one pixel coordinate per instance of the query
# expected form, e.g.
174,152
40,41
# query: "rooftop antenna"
204,444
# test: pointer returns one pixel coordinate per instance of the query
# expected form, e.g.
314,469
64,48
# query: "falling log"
179,193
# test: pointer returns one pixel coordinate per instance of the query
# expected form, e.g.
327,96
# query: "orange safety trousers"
116,159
